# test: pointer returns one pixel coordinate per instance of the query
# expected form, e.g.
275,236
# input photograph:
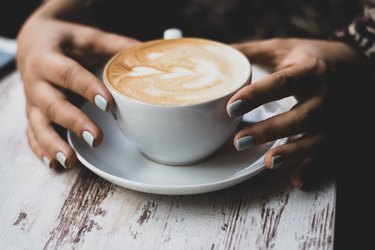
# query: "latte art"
177,71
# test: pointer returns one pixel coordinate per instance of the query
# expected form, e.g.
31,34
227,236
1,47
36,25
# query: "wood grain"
44,209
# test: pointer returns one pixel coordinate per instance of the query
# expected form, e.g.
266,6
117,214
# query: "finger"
296,151
306,116
49,140
296,174
281,84
88,60
60,111
260,52
102,43
70,75
307,174
91,47
38,150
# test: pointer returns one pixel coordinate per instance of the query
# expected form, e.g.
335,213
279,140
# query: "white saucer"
118,161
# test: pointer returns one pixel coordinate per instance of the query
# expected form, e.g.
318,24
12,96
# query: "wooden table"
45,209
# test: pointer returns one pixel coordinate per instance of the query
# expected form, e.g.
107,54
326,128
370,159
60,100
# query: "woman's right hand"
52,55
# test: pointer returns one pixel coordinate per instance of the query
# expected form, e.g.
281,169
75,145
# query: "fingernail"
46,161
277,161
89,138
101,102
236,108
61,158
244,143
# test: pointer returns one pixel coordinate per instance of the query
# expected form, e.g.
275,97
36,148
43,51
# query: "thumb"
100,42
110,43
258,52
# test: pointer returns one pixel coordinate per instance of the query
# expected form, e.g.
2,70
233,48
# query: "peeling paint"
21,217
77,215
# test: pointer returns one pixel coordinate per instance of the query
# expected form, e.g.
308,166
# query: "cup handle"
172,33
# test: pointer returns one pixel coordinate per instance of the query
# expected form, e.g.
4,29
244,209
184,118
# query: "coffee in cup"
171,96
177,72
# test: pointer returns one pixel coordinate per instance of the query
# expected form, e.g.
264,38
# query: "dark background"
355,210
13,13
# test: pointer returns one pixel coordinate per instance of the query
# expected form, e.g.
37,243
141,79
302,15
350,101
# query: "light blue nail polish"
244,143
101,102
61,158
277,161
46,161
236,108
89,138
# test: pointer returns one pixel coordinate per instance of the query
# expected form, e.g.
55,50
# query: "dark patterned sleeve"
360,33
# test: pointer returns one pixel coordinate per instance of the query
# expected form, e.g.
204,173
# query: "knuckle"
85,90
316,65
283,81
301,120
268,133
65,74
51,108
90,37
50,146
250,94
263,134
76,124
311,64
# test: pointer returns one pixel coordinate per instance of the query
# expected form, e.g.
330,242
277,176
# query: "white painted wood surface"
45,209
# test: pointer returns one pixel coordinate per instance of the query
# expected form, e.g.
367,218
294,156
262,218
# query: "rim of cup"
244,59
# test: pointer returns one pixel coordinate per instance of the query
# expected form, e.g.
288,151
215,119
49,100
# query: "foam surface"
177,71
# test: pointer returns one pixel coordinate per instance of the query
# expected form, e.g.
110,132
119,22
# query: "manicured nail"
89,138
277,161
236,108
61,158
101,102
244,143
46,161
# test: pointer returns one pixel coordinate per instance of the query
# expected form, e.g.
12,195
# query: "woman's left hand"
308,70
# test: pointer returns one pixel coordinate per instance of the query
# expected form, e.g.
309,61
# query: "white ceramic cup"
176,135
